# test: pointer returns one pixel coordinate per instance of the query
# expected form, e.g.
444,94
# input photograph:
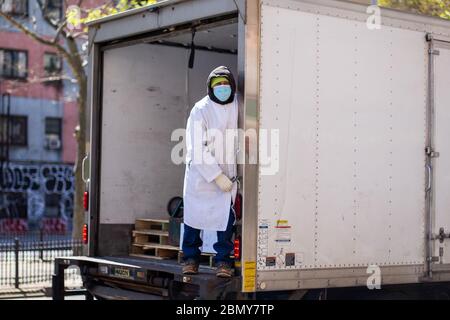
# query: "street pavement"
47,298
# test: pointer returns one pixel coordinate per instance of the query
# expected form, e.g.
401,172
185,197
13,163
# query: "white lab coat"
206,206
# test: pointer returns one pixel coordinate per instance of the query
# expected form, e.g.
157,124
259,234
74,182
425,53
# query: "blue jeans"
224,245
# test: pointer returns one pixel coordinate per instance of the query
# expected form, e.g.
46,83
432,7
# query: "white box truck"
358,192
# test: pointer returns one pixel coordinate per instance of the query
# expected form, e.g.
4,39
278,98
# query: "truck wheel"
298,295
315,294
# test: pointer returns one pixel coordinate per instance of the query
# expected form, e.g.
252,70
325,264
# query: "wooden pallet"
153,250
206,259
151,238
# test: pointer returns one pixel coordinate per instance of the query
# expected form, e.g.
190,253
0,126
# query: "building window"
18,130
15,7
13,205
53,9
53,126
53,132
52,205
13,64
52,64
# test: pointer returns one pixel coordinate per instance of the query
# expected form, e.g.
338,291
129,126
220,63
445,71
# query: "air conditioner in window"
14,6
52,142
7,6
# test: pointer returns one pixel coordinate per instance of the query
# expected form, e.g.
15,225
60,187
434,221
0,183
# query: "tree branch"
51,78
61,50
27,31
59,30
43,7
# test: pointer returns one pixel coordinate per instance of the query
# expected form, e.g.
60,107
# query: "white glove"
224,183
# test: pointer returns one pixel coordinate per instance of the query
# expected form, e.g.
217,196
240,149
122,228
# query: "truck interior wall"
146,98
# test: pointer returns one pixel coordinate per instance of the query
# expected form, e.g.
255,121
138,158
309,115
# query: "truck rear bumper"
124,278
109,293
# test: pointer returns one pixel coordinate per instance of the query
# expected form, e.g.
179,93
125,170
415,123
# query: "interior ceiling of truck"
222,38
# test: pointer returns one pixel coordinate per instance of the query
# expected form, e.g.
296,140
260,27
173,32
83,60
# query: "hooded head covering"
222,72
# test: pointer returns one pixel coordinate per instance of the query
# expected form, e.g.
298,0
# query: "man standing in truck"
209,190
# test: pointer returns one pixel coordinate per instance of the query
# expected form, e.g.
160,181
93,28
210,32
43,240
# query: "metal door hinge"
431,153
434,52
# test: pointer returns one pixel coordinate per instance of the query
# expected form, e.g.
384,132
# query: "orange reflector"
86,201
237,248
85,234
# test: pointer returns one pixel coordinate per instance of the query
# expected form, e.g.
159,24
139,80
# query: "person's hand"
224,183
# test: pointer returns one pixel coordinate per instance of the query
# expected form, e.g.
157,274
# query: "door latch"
431,153
442,235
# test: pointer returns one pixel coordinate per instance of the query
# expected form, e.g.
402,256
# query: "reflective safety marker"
85,234
237,248
249,281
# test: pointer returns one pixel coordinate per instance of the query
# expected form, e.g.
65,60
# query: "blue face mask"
223,92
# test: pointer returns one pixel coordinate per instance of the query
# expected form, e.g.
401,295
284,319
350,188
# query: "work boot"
224,270
190,267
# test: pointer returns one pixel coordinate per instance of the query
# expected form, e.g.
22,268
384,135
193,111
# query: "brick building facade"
38,117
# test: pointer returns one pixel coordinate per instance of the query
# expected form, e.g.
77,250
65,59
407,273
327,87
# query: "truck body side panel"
350,106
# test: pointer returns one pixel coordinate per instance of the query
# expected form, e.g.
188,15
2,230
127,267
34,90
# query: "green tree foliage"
438,8
109,8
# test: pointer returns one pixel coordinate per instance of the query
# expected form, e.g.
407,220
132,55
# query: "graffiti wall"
36,196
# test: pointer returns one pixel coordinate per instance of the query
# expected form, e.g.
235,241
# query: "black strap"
192,57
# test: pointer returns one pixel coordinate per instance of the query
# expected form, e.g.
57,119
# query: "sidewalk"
43,298
38,290
12,293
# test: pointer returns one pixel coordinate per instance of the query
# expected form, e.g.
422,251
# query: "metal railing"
27,260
